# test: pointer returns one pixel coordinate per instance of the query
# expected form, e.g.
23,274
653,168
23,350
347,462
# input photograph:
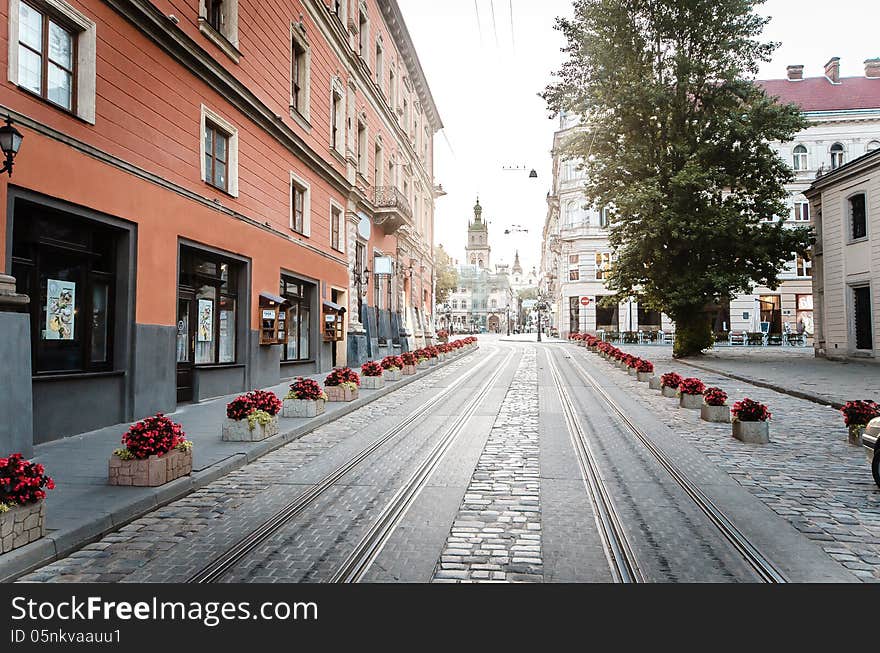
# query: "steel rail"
220,565
763,567
624,565
372,543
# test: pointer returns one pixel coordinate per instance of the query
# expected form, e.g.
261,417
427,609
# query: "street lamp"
542,306
10,142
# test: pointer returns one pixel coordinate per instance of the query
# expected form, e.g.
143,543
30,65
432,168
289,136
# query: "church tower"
517,267
478,250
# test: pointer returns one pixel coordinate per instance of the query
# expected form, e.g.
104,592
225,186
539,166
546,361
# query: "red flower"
671,380
21,481
307,390
409,358
860,413
691,387
343,375
645,367
153,436
751,411
715,397
371,369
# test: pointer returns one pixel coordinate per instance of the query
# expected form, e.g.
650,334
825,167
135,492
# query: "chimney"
795,72
832,70
872,68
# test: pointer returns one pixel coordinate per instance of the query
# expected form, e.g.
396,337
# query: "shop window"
649,320
67,266
52,54
607,319
298,346
208,291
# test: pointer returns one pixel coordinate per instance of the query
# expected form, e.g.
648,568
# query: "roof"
857,166
819,94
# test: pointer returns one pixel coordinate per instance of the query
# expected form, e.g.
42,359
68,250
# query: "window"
300,74
380,66
208,282
464,304
298,344
802,211
218,22
300,192
571,213
862,323
67,266
392,88
378,165
800,158
804,266
336,235
574,272
604,217
337,119
837,156
216,157
219,148
364,33
454,304
52,54
603,265
858,217
873,145
362,158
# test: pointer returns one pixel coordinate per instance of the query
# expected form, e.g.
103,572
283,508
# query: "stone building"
845,206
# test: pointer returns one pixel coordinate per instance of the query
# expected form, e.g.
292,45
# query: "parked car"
871,441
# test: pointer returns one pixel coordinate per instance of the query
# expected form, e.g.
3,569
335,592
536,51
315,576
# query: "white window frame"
232,143
296,35
574,267
801,160
227,38
86,39
337,91
363,146
363,32
603,267
801,273
847,211
604,217
841,154
378,163
307,204
798,215
336,206
380,64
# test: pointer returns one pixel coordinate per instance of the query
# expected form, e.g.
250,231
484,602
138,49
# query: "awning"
336,308
273,298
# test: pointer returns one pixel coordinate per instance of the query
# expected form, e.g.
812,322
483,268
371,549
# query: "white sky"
485,81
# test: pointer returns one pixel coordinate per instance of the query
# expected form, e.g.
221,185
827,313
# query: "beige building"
846,275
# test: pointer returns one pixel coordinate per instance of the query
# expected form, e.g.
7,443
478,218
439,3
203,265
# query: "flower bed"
371,376
410,361
23,486
751,422
156,452
669,384
644,370
715,408
306,399
691,393
342,385
856,416
252,417
393,367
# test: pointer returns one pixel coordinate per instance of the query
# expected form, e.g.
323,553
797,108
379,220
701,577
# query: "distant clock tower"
478,250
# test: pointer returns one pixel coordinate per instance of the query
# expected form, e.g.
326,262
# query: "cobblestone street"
484,486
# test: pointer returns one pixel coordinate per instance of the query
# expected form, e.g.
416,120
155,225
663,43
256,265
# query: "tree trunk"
693,332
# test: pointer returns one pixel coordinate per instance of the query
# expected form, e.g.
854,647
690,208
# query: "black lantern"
10,142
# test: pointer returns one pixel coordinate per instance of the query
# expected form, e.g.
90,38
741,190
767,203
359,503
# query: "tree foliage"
676,141
447,275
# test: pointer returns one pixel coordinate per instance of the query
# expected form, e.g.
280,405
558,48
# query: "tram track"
762,566
222,564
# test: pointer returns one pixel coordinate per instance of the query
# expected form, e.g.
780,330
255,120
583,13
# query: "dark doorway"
771,312
862,314
608,319
185,345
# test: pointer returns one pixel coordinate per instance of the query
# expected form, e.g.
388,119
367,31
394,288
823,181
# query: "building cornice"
860,166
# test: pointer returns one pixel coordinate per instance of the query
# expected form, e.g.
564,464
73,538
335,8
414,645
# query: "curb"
60,544
799,394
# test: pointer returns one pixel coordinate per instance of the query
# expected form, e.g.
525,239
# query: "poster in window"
206,320
60,315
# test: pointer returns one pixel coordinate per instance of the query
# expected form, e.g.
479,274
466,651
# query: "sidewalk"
83,507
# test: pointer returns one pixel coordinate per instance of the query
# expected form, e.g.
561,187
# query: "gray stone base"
752,432
631,371
341,393
409,370
645,377
22,525
372,382
393,375
715,414
152,472
855,434
670,393
655,383
691,402
423,365
298,408
241,431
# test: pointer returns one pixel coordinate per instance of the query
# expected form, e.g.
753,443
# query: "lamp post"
10,142
542,306
507,315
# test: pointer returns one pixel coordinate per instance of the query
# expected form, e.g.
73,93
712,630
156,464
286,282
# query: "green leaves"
676,139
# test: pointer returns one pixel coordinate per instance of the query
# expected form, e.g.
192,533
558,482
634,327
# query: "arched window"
873,145
837,153
800,158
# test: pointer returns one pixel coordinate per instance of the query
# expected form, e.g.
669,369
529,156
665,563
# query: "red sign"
586,301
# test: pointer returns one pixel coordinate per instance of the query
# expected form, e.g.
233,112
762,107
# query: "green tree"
447,275
675,140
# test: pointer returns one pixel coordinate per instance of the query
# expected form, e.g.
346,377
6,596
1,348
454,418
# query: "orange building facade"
211,196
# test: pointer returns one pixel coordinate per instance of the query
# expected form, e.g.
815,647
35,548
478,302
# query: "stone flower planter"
393,375
855,434
301,408
752,432
632,371
372,382
152,472
338,393
423,365
432,362
645,377
655,383
22,525
240,431
409,370
671,393
715,414
691,402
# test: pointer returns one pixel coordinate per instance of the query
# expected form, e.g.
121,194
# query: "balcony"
393,210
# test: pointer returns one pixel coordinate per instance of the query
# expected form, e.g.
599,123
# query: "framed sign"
206,320
60,310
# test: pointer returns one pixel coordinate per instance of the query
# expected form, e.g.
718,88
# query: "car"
871,442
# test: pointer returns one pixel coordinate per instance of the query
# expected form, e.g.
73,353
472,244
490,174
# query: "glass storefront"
298,346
